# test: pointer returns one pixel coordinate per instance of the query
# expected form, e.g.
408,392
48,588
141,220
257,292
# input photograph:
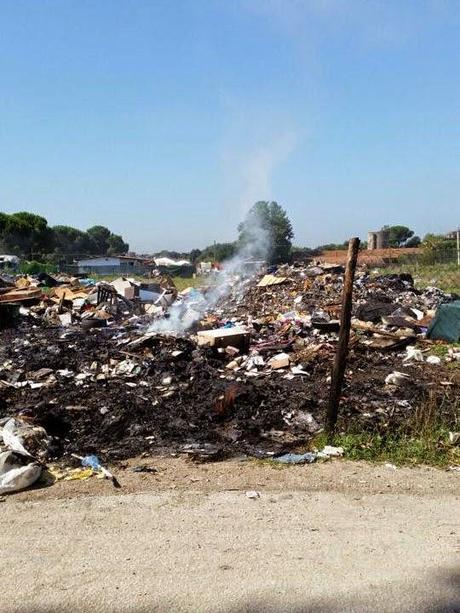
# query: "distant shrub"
34,267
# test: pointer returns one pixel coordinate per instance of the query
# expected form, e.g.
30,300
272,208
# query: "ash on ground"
249,375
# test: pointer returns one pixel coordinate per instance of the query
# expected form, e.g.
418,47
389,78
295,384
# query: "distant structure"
452,235
378,240
9,262
113,265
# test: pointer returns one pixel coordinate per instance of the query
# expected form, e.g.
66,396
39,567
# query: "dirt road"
377,539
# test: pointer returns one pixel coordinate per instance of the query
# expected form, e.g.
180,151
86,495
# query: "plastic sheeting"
446,324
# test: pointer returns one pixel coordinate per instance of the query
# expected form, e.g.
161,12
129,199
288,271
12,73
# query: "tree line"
273,219
29,236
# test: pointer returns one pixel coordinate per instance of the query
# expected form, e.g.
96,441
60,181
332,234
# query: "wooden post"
338,370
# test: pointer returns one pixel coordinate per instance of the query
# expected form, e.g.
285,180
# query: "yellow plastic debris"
71,474
79,474
270,280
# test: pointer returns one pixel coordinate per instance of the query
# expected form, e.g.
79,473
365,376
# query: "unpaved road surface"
336,537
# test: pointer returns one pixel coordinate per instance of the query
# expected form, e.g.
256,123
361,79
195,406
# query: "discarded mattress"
446,324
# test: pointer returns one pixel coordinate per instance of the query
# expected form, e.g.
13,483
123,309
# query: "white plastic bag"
20,435
17,471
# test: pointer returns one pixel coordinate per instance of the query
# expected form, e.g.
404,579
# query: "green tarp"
446,324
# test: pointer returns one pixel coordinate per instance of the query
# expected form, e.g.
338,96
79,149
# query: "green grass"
400,450
444,276
432,450
108,278
442,349
182,283
421,439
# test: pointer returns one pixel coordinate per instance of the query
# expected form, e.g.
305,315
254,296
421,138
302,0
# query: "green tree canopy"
266,232
333,247
414,241
100,235
218,252
70,240
438,242
29,236
107,243
194,255
117,245
398,235
25,234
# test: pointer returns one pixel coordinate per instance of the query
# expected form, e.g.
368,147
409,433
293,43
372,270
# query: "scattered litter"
268,280
71,474
397,378
144,469
296,458
92,462
129,368
252,494
281,360
330,452
203,453
18,471
413,354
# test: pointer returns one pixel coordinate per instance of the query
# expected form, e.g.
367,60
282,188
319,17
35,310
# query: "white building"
112,265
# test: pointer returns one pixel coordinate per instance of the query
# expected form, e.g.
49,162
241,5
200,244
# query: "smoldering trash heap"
240,365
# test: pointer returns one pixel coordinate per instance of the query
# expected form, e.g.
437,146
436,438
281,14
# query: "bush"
34,267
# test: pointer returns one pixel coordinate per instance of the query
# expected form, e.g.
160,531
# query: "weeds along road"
338,537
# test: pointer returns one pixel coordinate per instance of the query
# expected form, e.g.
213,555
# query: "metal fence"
425,257
438,268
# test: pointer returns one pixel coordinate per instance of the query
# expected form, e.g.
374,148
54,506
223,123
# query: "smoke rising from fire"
186,311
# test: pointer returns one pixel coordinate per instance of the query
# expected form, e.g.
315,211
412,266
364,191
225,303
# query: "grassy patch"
433,450
422,438
109,278
444,276
184,282
398,449
442,349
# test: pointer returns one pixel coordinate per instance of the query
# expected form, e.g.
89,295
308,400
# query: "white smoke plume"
258,144
183,313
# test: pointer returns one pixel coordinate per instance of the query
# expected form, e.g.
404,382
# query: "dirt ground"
177,473
327,537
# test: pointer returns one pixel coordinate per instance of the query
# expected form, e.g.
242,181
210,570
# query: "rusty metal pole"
338,370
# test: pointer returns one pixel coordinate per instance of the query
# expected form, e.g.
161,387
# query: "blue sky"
165,120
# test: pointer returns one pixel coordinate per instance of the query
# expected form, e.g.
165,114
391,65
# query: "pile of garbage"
246,371
61,300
